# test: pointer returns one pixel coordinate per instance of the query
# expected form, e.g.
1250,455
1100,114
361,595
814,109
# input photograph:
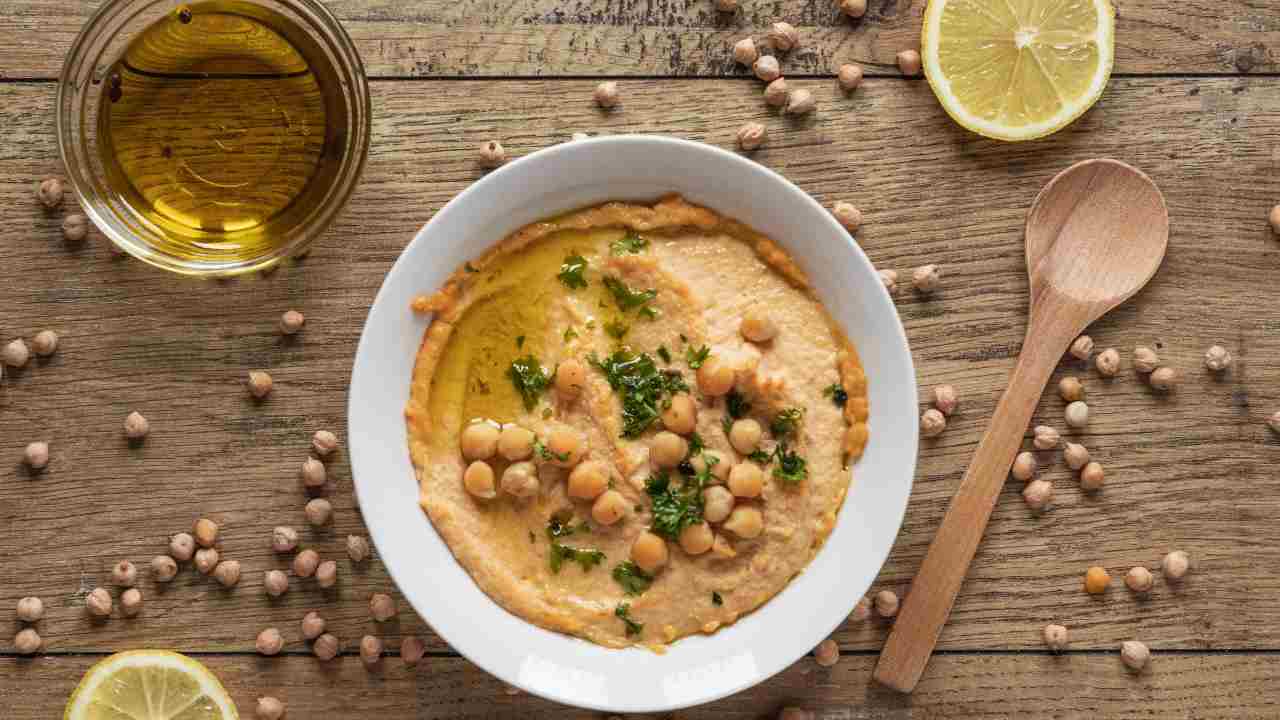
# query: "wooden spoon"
1095,235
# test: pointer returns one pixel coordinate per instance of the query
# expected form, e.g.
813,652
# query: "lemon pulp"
150,685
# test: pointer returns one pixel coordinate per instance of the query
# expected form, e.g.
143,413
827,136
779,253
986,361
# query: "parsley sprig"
627,298
623,612
573,272
629,244
643,388
530,379
633,580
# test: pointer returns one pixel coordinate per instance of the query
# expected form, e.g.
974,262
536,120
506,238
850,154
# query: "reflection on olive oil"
214,128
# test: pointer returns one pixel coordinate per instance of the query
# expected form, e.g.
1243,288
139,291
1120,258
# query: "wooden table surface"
1195,102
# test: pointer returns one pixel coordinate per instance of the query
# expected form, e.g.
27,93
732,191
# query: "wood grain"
683,38
1194,470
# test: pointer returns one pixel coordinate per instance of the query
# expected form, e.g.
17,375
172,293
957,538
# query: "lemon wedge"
149,685
1018,69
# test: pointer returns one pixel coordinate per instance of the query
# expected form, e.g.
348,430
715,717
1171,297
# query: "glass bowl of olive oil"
213,138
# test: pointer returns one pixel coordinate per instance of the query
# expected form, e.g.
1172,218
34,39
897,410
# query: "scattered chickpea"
1096,580
520,479
1175,565
590,479
649,551
696,539
182,546
370,650
945,399
890,280
909,62
50,193
1217,358
98,602
1046,438
206,560
291,322
1134,655
753,135
1024,467
1145,359
319,512
284,539
478,480
766,68
36,455
744,435
1082,348
305,563
1092,477
30,609
136,427
850,76
886,603
827,653
324,443
926,278
853,8
681,417
716,377
382,607
566,446
609,508
1055,637
1071,389
722,548
275,582
783,37
492,155
206,532
124,574
163,568
131,602
269,708
28,641
227,573
776,93
16,354
606,94
259,384
1164,378
744,51
312,625
571,378
800,102
758,326
1038,494
932,423
717,503
1273,217
745,521
746,480
861,610
412,649
1139,579
312,473
327,574
325,647
1076,455
45,343
1076,414
75,228
358,548
1108,362
848,216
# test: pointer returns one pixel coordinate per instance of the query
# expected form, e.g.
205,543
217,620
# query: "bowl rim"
365,490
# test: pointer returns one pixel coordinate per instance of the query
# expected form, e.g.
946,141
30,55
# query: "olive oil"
221,127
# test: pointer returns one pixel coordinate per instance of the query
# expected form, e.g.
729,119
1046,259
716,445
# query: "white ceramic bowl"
697,669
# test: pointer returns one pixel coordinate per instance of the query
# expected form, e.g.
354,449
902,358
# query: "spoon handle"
934,589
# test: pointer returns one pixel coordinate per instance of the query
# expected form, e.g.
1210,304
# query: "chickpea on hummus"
633,423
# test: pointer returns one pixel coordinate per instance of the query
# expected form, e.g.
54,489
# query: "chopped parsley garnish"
649,312
570,334
530,379
519,341
642,386
558,529
573,272
617,329
470,268
736,404
623,612
696,357
726,423
674,509
630,244
760,457
791,468
697,445
786,422
632,579
665,354
627,298
683,339
543,452
585,558
716,599
837,394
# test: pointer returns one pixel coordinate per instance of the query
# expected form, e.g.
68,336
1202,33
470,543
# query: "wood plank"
956,686
687,38
1192,471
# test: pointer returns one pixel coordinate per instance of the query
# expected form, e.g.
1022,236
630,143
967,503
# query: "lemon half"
1018,69
149,685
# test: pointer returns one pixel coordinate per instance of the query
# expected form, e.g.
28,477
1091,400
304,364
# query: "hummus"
633,423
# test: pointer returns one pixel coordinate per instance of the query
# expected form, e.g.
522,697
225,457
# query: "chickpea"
1139,580
326,647
291,322
313,473
758,326
745,52
478,480
567,444
324,443
312,625
606,94
768,69
30,609
1082,348
131,602
1055,637
862,610
1096,580
827,653
98,603
358,548
370,650
1038,494
588,480
269,708
945,399
1134,655
45,343
668,449
319,512
124,574
28,641
886,603
649,552
1108,362
1164,378
744,435
1076,455
696,539
50,192
521,480
1024,467
681,417
1071,389
609,508
1217,358
206,532
412,649
1046,438
36,455
327,574
182,546
1076,414
889,278
926,279
479,440
1175,566
717,503
932,423
909,62
227,573
305,563
206,560
722,548
15,354
1145,359
284,539
571,378
163,568
746,480
716,377
259,384
515,443
719,468
382,607
1092,477
275,582
745,521
850,76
